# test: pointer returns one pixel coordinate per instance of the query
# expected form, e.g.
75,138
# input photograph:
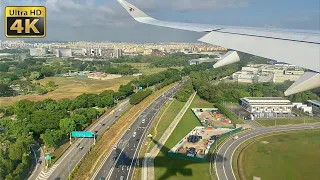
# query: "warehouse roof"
315,102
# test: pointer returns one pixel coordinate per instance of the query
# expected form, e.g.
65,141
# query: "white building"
266,106
63,52
201,60
38,51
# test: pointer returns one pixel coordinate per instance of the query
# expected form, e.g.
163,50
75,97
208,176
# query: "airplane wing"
297,47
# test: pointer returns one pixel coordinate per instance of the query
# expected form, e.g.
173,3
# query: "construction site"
211,117
196,144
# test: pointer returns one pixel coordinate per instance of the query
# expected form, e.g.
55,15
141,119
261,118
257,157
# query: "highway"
66,163
121,160
223,162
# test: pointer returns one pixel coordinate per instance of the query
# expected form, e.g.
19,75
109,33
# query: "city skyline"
75,20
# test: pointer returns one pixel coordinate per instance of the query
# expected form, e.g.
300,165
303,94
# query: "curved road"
223,162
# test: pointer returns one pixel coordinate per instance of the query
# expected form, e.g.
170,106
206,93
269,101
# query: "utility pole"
70,138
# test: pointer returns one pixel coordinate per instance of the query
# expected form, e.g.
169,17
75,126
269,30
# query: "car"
235,137
78,144
143,120
101,178
126,156
138,139
129,128
115,147
80,147
134,134
116,116
95,132
121,177
100,124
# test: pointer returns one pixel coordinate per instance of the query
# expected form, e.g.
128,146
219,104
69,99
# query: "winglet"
308,80
136,13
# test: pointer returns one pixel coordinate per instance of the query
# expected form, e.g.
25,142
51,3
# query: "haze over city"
92,20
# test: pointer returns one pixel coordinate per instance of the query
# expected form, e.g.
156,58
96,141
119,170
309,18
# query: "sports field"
294,156
71,87
170,168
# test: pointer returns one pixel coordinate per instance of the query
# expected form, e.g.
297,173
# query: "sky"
106,20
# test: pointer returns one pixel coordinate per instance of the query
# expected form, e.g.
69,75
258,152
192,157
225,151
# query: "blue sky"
94,20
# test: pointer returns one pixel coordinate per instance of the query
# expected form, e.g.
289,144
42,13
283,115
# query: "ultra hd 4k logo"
25,21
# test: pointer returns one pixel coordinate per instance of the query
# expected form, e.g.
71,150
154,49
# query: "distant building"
63,52
117,53
201,60
266,106
38,52
78,52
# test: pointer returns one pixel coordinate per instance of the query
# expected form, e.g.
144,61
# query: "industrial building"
201,60
267,73
314,104
38,51
266,106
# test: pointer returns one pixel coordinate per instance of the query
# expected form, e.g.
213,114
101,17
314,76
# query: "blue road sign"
140,88
82,134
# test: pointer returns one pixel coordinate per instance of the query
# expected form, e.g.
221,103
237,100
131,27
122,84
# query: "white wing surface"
297,47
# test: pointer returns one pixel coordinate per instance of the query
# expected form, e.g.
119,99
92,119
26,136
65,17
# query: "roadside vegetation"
289,155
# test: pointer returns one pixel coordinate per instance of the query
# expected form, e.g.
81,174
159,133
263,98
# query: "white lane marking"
264,131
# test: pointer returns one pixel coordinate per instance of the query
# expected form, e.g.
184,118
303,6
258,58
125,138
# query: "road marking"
260,132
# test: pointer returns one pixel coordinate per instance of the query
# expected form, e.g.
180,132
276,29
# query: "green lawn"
167,168
272,122
148,71
166,119
293,156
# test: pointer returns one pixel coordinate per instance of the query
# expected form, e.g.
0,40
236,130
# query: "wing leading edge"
298,47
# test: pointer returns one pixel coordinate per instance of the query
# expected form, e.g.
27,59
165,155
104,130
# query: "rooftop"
264,98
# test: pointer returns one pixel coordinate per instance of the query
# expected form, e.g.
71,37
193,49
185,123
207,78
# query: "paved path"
148,162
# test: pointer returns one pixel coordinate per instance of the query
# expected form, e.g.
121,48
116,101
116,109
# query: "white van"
134,134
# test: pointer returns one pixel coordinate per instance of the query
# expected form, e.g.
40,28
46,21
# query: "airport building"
266,106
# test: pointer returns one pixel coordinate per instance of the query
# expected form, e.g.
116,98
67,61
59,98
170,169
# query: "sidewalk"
148,161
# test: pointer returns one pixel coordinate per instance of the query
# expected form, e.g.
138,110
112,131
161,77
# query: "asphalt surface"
61,169
223,160
122,159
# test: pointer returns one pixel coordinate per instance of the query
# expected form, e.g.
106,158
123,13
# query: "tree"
67,125
34,75
4,67
52,137
5,90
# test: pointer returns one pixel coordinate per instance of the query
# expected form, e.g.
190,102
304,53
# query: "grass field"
70,88
272,122
148,71
293,156
166,118
179,169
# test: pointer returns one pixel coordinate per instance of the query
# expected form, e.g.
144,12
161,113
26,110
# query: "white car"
143,120
235,137
134,134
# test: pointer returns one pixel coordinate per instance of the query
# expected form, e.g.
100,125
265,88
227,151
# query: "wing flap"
302,54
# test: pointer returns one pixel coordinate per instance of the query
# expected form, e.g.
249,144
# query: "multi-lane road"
223,162
122,159
66,163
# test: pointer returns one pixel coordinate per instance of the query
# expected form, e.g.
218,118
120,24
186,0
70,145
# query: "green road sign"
140,88
48,157
82,134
